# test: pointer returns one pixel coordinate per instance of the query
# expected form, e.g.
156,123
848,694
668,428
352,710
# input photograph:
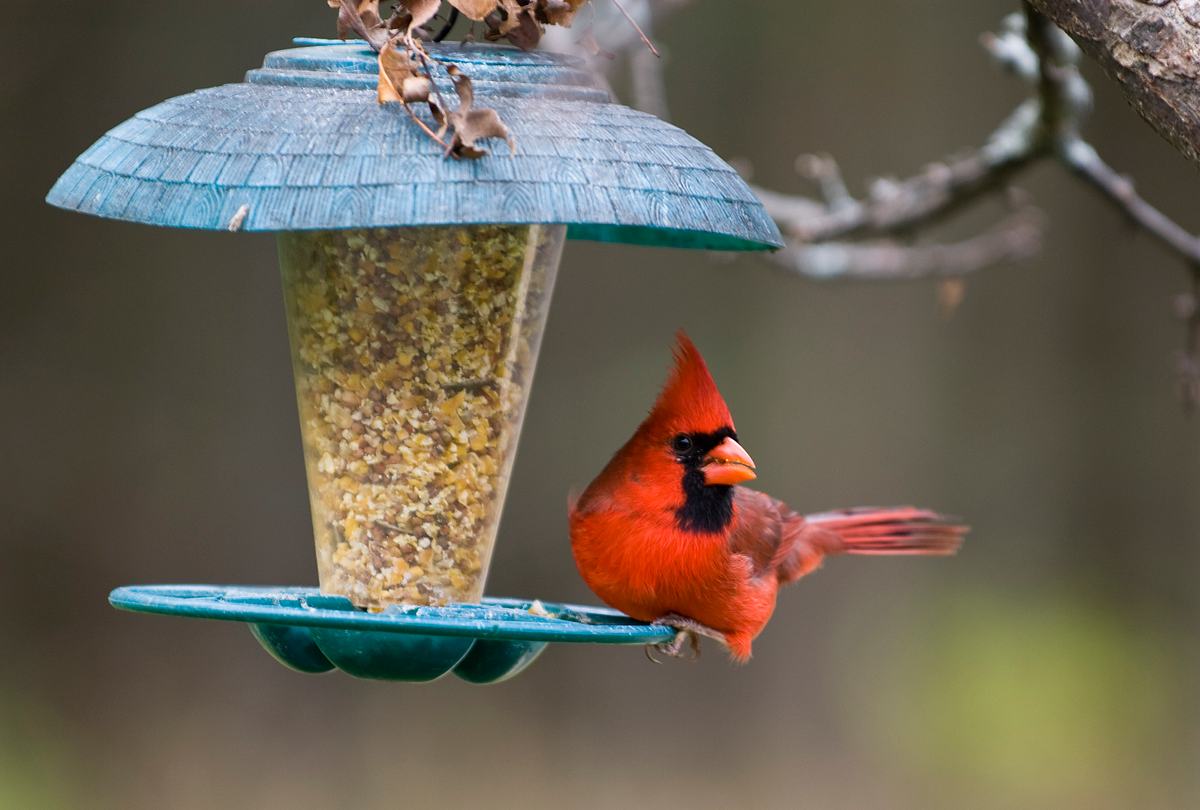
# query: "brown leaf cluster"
404,79
361,18
522,22
404,75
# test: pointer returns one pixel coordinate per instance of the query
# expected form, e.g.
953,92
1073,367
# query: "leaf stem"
636,27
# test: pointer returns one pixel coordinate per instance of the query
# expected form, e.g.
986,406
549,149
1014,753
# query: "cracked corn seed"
413,351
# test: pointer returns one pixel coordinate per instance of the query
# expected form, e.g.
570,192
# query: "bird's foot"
686,643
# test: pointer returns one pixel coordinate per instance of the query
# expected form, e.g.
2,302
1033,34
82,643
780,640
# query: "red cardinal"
665,535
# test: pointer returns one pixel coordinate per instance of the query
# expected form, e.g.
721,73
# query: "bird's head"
690,427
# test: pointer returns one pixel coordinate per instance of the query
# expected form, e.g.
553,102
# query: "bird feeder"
416,290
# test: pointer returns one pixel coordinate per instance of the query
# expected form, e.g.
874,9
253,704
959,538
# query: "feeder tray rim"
494,618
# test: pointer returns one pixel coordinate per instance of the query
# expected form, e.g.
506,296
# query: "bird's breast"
643,564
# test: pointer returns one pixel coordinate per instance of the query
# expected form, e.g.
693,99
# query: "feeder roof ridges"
302,145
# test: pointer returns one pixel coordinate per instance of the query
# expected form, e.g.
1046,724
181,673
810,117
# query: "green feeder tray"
308,631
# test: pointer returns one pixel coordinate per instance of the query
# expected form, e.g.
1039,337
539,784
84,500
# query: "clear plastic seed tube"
413,351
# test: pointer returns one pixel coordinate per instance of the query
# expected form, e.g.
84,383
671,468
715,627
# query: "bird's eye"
681,443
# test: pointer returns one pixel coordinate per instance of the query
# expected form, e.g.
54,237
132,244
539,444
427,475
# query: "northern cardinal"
665,535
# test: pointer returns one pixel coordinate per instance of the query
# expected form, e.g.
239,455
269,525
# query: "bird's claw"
685,644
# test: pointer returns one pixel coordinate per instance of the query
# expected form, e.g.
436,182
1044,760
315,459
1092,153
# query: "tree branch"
1152,49
1013,239
939,190
1047,125
1082,159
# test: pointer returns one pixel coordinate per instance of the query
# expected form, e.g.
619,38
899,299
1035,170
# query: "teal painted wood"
308,631
302,144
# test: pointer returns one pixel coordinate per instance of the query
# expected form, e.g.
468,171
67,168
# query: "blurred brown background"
149,434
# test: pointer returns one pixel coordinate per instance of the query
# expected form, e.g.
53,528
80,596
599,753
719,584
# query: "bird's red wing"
761,529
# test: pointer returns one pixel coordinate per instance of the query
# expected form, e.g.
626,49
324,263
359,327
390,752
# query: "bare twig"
414,49
1049,59
610,35
1082,159
1013,239
426,128
840,236
642,34
825,172
451,19
937,191
1046,126
1066,98
648,85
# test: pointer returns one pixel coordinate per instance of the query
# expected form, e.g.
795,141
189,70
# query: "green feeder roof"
302,144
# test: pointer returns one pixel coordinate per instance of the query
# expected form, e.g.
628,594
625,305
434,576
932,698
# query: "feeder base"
309,631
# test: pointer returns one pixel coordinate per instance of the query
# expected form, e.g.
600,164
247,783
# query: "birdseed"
413,350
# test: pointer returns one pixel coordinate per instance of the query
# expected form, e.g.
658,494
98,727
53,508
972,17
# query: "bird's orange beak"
728,463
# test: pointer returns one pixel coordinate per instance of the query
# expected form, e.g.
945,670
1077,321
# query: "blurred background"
150,434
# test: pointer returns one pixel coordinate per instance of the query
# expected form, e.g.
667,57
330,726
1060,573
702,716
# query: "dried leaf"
403,75
558,12
417,88
476,125
517,23
950,294
400,79
506,17
420,11
471,124
475,9
439,118
362,19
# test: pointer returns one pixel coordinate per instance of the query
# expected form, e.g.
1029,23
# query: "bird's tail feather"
894,530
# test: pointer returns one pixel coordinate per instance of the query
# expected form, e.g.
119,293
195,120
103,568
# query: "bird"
668,534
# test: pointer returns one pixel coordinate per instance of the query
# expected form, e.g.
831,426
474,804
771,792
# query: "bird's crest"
690,400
